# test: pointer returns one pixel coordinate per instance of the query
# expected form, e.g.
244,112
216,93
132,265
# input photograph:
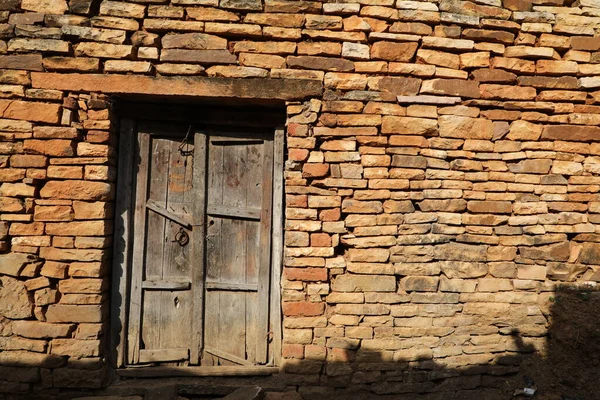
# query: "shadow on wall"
565,368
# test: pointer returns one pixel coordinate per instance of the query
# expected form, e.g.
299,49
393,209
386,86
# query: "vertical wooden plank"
232,311
198,234
122,242
277,246
176,306
214,195
154,259
254,195
264,264
139,242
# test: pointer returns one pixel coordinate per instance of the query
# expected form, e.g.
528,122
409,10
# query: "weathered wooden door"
200,270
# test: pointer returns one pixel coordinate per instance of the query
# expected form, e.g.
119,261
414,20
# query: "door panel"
163,271
170,188
236,194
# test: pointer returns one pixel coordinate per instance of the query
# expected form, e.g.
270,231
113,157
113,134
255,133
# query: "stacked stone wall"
437,192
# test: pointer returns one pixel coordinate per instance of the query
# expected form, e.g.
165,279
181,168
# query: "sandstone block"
77,190
523,130
193,41
45,6
534,272
590,253
53,147
13,263
504,92
58,313
451,87
46,296
103,50
14,300
30,111
28,62
457,285
16,190
75,348
41,330
364,283
121,9
465,128
30,359
528,52
302,308
541,166
392,51
371,255
493,207
361,207
460,252
408,125
29,45
419,283
576,133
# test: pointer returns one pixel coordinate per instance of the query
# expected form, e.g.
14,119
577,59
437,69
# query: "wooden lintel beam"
256,88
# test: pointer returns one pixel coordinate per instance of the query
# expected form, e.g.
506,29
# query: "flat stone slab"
260,88
429,99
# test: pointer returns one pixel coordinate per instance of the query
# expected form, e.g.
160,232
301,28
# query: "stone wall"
437,192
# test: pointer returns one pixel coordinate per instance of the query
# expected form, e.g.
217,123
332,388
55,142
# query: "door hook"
182,237
184,146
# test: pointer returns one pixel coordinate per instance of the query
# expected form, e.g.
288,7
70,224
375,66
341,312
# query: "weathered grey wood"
122,242
176,308
153,372
236,212
233,305
239,287
213,250
153,319
226,356
253,198
264,264
277,246
180,219
238,179
163,355
197,243
138,249
256,88
166,285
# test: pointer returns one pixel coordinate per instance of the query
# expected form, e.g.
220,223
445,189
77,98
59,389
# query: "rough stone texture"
441,182
14,300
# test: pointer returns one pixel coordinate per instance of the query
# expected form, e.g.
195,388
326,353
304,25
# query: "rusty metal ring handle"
182,238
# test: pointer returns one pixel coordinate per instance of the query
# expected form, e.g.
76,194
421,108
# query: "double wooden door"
200,263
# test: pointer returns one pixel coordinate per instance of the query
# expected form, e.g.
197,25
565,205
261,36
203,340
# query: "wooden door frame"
121,278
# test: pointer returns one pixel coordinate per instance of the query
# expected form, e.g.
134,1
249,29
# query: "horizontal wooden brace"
163,355
222,140
180,219
226,356
234,212
166,285
232,287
